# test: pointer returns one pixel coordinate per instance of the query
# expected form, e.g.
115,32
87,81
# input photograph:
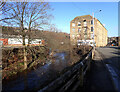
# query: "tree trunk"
29,33
24,54
25,58
29,39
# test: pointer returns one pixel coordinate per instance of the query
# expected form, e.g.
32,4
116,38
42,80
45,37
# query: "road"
111,58
105,70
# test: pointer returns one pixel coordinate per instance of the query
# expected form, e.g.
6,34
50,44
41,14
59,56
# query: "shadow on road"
115,47
98,78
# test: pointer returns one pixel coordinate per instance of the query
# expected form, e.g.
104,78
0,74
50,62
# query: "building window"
73,24
91,22
85,29
79,23
85,23
91,29
73,29
85,36
79,30
78,35
91,36
73,36
84,20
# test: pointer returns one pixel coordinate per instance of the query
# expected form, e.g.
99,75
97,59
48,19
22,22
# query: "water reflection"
36,78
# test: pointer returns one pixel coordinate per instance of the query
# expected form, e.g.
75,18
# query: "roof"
82,16
89,16
85,16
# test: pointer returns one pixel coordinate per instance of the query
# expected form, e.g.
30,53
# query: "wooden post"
93,51
81,77
89,59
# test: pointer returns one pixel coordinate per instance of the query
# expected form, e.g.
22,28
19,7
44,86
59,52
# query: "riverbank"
13,64
41,76
44,73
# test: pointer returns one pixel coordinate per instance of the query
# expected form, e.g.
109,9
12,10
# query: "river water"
38,78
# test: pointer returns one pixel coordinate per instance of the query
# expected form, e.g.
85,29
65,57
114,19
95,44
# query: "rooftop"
89,16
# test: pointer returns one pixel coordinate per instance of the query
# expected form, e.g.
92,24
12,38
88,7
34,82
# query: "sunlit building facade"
82,31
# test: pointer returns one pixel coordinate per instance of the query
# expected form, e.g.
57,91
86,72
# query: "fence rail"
71,79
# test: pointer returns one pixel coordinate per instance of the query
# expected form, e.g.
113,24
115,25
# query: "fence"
71,79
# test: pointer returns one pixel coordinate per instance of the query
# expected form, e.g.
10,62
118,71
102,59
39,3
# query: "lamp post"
93,27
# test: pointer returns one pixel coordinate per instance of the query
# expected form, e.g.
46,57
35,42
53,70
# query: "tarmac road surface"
99,77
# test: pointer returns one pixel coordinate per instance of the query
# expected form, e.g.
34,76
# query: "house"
13,40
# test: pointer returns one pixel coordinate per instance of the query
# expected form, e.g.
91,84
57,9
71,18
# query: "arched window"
85,22
79,23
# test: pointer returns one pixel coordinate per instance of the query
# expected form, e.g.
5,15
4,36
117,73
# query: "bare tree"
37,17
7,11
25,14
54,28
2,5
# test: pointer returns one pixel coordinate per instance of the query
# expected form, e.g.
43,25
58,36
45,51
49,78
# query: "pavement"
111,57
98,78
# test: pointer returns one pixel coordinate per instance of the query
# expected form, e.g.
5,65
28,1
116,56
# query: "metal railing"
71,79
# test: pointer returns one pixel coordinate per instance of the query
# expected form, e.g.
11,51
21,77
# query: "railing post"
89,60
93,51
81,77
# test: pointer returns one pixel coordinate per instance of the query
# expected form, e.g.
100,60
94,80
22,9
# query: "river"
39,77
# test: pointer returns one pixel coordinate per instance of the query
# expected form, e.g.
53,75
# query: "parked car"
113,44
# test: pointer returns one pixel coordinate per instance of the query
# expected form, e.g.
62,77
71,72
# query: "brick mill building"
81,31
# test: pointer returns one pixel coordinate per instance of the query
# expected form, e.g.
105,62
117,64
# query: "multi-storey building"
82,30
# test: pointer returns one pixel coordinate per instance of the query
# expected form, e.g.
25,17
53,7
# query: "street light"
93,26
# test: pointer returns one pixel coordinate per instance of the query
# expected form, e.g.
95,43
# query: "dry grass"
12,60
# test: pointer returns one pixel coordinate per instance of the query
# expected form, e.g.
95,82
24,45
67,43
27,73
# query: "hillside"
54,40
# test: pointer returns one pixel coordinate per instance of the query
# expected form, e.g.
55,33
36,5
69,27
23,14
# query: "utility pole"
93,28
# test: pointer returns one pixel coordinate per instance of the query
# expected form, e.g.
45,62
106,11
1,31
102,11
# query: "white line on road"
114,76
